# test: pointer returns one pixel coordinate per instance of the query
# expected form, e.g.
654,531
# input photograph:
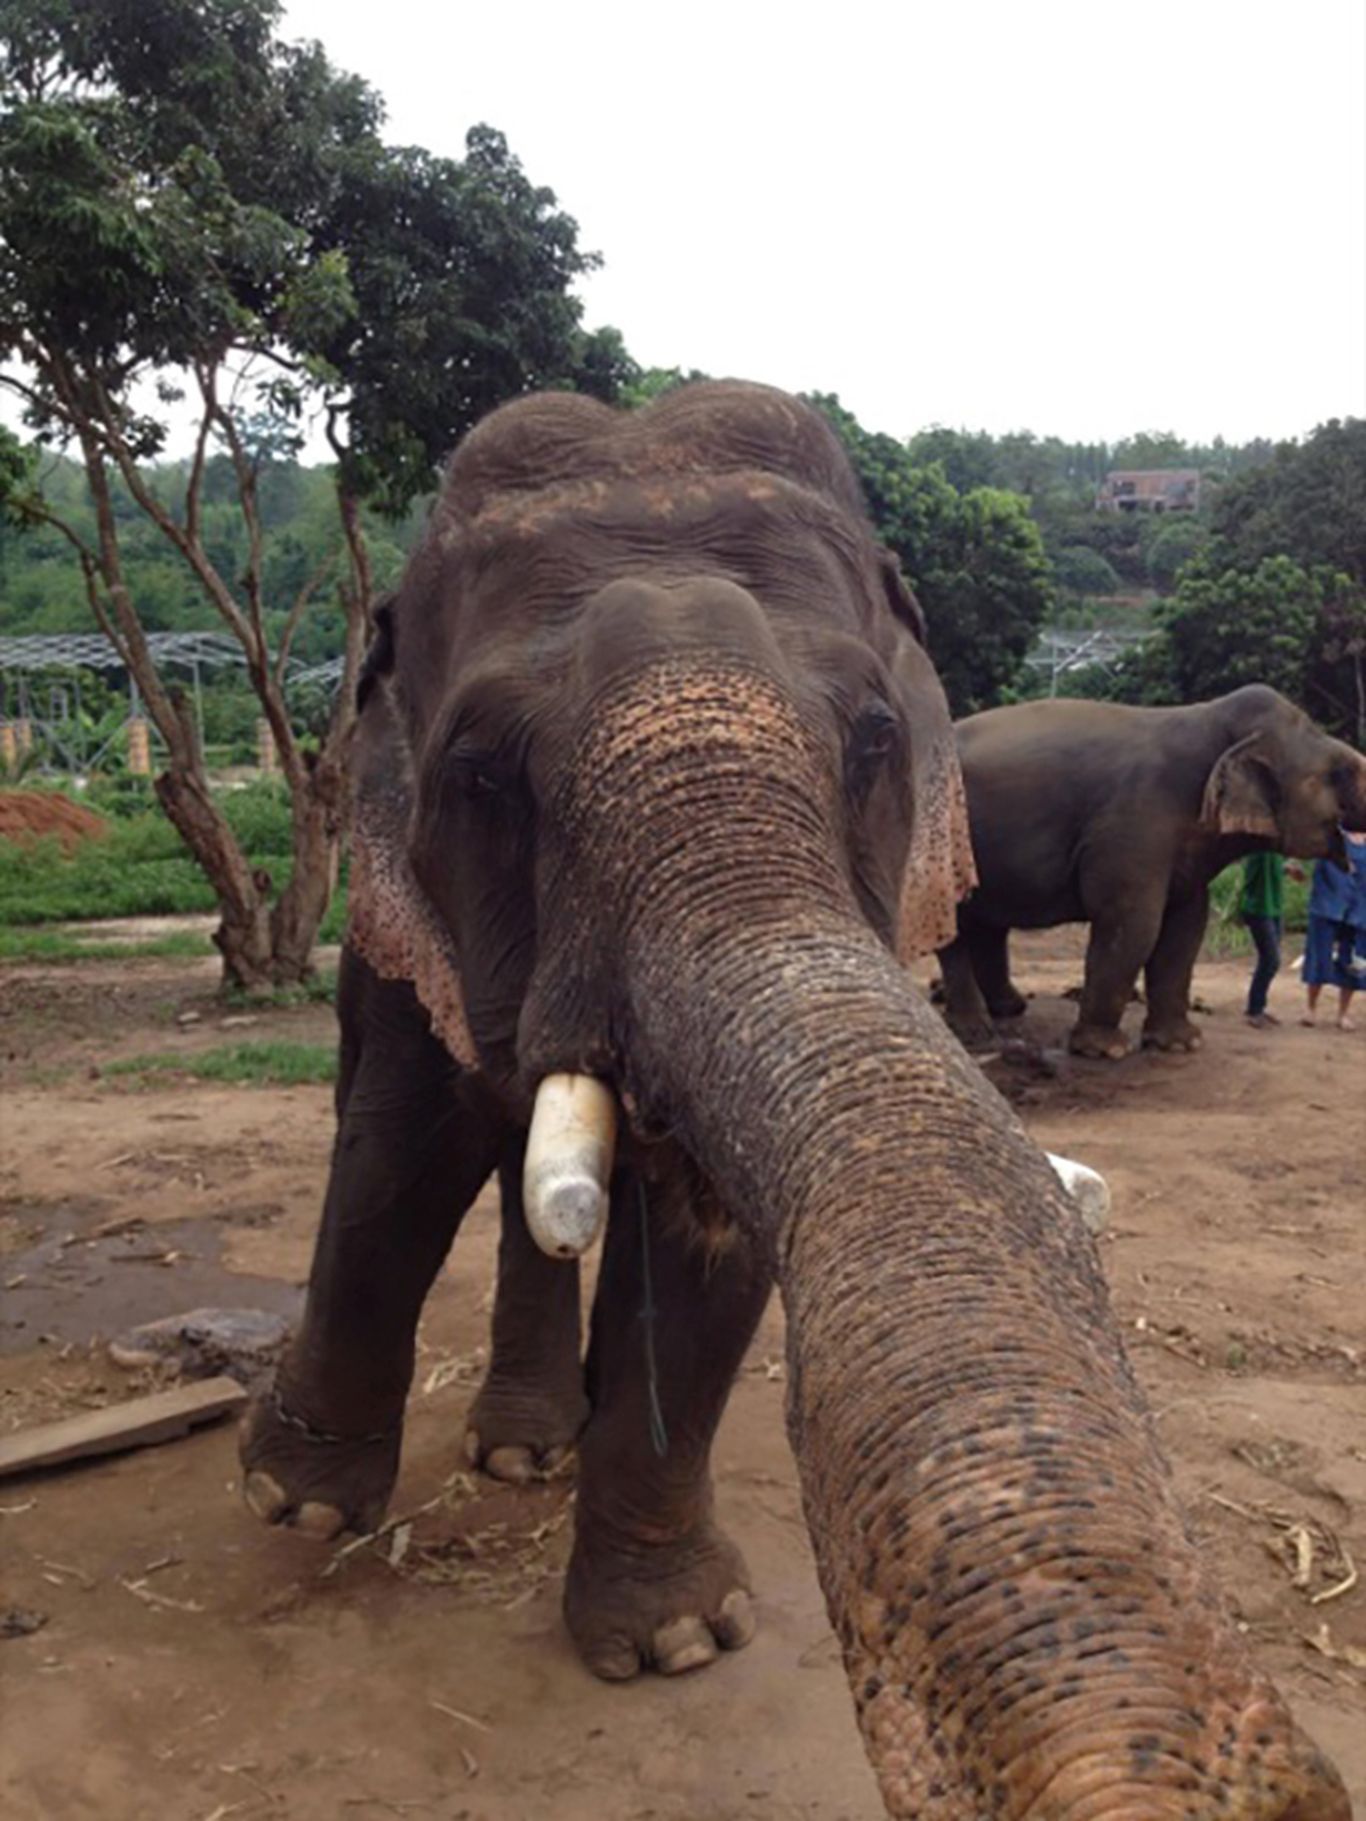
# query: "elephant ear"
900,597
391,924
1241,794
939,871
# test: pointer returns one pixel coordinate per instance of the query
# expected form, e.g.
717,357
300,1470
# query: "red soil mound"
28,815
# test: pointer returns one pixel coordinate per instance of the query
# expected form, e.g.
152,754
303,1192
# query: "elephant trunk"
1351,770
1027,1629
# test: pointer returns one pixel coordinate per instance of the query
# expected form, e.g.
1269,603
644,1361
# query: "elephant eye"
871,742
475,774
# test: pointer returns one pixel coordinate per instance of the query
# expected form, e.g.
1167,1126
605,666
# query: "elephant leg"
1123,934
991,964
531,1405
416,1140
964,1006
652,1579
1168,1025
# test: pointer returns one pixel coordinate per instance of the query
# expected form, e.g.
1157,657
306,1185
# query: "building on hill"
1150,490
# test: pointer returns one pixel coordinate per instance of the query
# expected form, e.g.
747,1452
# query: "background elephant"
1120,817
654,775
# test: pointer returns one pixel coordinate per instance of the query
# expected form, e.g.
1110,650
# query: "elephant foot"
1181,1035
519,1433
974,1033
666,1606
1102,1043
310,1480
1010,1005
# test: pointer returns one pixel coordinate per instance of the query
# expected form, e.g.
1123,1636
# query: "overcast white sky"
1074,216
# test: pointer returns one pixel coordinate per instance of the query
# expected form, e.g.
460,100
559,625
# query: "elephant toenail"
735,1624
621,1664
682,1645
319,1521
514,1465
265,1497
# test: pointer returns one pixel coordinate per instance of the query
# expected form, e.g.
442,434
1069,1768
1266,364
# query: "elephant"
655,796
1120,817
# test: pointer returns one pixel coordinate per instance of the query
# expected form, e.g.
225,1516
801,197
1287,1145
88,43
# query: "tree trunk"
243,937
318,812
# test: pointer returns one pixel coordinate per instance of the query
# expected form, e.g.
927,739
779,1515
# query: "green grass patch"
141,867
274,1063
320,989
60,948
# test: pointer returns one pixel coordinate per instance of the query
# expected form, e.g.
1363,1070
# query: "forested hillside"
1001,535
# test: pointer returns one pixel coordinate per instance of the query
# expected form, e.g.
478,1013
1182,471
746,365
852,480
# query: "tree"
1141,676
975,559
1172,545
1151,449
189,206
967,458
1227,627
1082,571
1337,665
1308,502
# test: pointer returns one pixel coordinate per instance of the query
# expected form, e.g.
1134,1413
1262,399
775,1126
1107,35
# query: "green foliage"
975,560
274,1063
1172,544
1308,501
649,383
1143,677
259,815
121,798
1227,627
460,276
141,868
190,205
1271,589
1151,449
1081,570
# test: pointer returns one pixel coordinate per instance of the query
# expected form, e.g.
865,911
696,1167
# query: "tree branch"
296,612
246,498
194,486
191,549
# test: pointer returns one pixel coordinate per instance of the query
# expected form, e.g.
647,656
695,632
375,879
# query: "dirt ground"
194,1666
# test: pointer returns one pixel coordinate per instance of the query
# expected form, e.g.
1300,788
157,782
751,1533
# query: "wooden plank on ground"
157,1418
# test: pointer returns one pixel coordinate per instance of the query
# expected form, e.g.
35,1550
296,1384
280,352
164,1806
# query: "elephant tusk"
1087,1187
568,1163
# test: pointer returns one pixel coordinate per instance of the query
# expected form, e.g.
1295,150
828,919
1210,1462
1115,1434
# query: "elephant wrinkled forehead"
541,555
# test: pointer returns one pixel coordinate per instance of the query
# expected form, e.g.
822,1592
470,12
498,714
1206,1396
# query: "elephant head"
684,789
1281,779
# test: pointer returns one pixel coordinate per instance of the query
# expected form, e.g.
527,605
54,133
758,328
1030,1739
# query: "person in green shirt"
1263,911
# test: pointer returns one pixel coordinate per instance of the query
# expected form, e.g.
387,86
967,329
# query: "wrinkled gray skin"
655,782
1120,818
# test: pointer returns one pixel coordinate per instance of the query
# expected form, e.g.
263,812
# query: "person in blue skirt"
1335,945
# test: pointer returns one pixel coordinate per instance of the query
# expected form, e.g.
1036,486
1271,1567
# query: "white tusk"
1087,1187
568,1163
